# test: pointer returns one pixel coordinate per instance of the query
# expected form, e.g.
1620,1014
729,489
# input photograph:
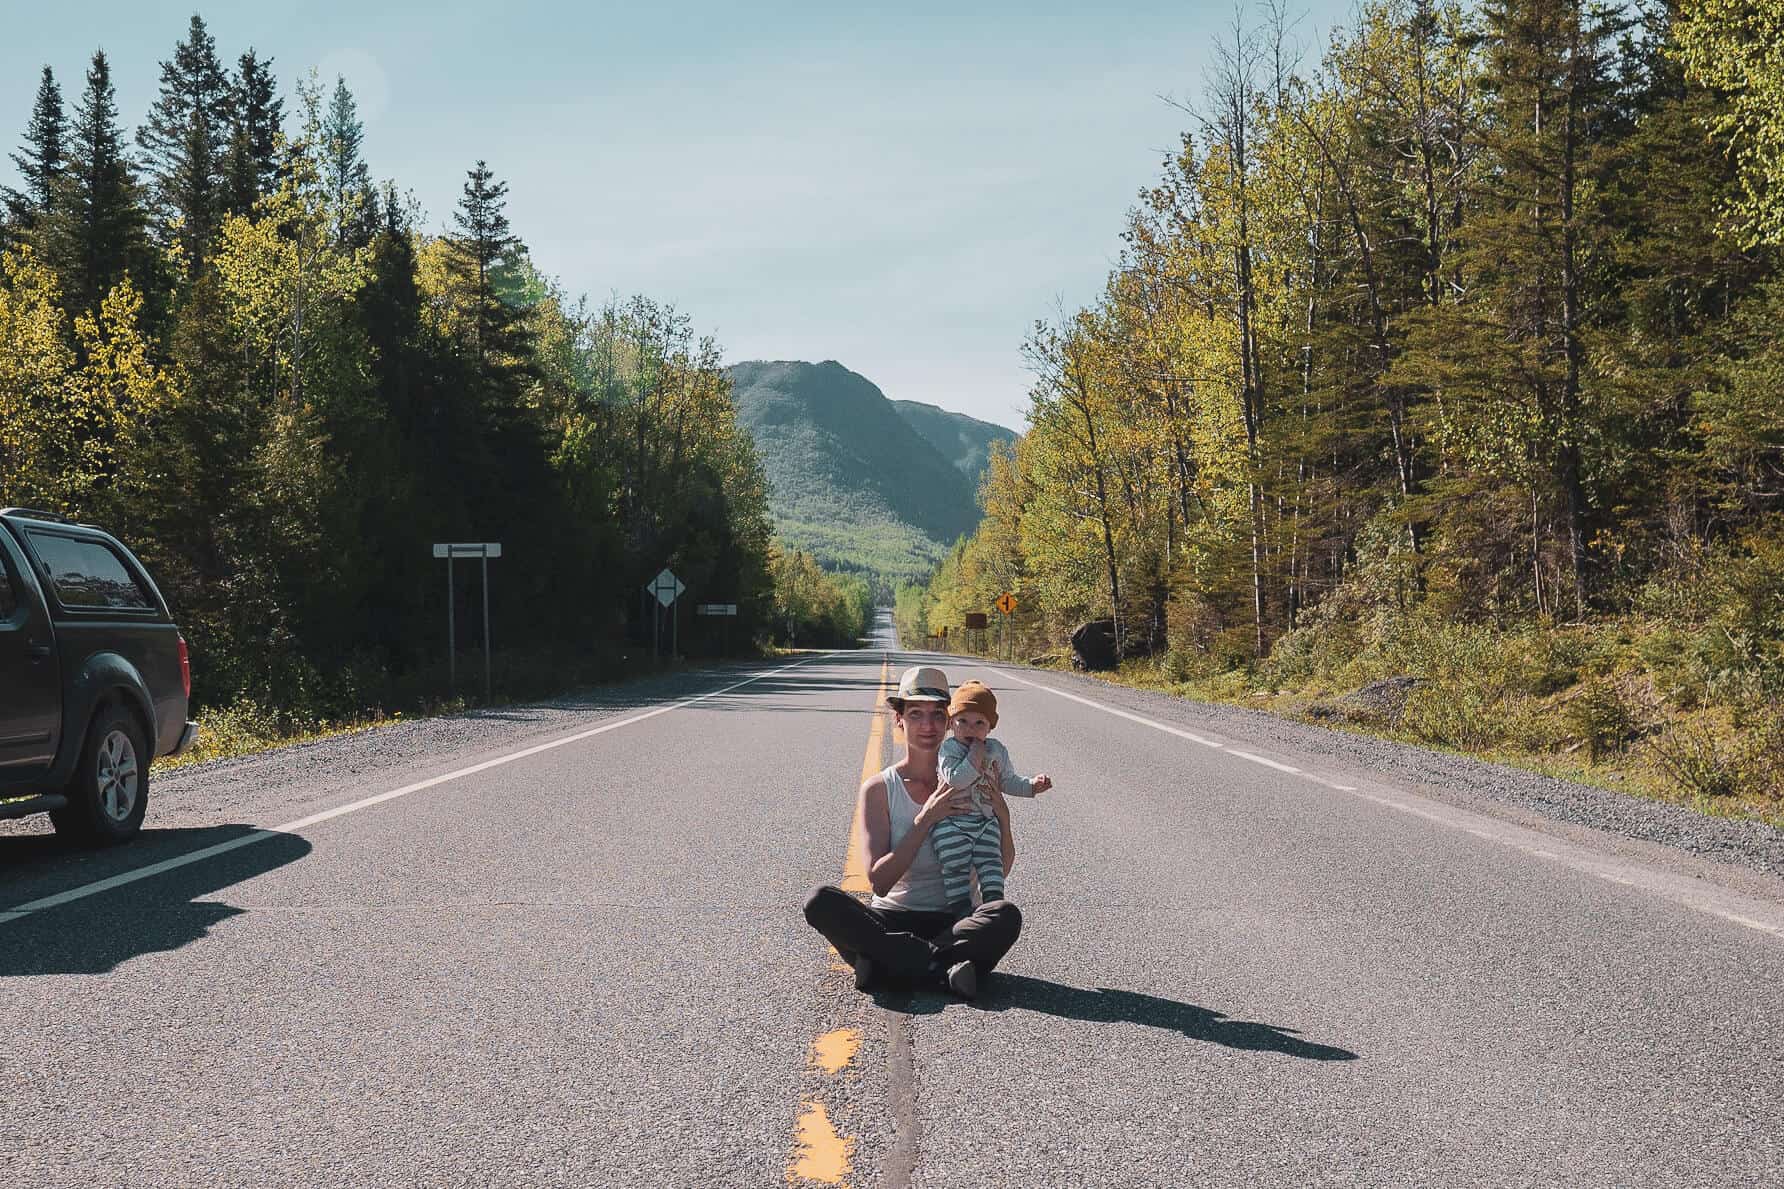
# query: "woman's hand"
1000,808
946,801
1041,783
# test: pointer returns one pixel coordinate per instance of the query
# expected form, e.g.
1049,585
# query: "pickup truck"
95,679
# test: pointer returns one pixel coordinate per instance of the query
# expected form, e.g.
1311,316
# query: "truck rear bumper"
188,737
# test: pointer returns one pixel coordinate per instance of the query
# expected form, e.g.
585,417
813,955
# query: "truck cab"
95,679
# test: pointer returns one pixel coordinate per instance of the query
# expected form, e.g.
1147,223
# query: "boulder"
1093,645
1379,702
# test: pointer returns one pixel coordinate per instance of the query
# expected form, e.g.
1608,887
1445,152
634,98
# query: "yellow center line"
823,1154
854,866
820,1153
835,1049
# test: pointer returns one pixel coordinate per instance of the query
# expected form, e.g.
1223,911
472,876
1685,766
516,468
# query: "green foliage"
1737,47
93,231
41,160
815,609
1447,361
283,411
184,143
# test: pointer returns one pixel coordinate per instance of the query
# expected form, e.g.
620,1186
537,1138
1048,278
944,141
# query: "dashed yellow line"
821,1154
833,1051
854,867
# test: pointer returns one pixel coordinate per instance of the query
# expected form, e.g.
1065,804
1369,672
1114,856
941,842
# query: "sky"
904,190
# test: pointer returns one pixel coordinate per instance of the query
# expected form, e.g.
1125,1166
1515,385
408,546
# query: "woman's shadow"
1105,1005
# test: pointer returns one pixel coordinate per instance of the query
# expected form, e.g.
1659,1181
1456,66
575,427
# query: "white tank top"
921,886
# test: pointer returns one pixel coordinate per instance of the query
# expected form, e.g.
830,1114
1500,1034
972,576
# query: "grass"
242,729
1629,705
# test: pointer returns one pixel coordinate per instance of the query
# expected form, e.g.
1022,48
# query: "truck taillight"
185,668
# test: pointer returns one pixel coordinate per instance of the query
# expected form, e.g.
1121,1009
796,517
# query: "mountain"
851,481
964,441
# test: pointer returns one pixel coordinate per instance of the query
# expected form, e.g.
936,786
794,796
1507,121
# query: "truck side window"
9,601
86,574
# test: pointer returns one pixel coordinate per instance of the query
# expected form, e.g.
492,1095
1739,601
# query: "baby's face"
970,726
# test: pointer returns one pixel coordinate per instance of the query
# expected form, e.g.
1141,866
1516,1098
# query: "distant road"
562,946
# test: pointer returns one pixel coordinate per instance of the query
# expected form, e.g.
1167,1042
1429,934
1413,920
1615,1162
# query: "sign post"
975,622
665,588
449,550
726,611
1006,603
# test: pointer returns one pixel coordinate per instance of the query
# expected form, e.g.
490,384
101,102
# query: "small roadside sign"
975,619
482,551
1006,603
665,586
716,609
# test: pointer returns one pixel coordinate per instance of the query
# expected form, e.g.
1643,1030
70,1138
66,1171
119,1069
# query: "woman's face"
924,725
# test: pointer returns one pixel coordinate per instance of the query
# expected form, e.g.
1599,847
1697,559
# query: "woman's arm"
1001,808
887,864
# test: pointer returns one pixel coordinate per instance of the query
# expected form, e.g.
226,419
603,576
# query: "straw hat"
922,683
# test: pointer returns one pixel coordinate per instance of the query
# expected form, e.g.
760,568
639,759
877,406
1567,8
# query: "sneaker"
864,972
963,980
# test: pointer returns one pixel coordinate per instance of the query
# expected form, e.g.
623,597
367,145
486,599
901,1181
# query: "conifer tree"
500,336
1517,347
251,166
94,230
184,144
40,160
344,170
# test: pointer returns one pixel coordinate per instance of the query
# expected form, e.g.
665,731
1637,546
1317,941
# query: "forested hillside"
1452,355
222,339
851,481
964,441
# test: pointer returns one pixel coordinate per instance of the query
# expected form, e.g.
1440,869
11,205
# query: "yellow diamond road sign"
1007,603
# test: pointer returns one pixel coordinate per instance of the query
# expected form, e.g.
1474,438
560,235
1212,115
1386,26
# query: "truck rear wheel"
110,791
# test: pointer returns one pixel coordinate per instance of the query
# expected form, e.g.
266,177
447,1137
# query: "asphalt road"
583,964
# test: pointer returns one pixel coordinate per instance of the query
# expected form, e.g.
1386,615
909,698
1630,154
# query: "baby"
971,760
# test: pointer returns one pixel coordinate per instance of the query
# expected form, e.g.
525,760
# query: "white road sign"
666,587
472,549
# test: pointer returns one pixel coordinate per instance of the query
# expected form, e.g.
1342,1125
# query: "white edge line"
1268,763
1157,726
19,911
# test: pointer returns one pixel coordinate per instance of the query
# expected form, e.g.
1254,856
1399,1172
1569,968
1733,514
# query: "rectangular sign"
472,549
975,619
716,609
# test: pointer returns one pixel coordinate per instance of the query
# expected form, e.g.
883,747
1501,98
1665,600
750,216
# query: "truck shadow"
1105,1005
155,914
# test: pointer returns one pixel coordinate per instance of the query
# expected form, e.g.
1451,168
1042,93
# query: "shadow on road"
153,915
1105,1005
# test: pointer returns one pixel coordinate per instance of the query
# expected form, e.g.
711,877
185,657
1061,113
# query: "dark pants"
908,945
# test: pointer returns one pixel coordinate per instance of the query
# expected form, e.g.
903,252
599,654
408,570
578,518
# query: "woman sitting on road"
906,932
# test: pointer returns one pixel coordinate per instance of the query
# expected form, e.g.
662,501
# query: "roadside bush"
1708,757
1602,717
